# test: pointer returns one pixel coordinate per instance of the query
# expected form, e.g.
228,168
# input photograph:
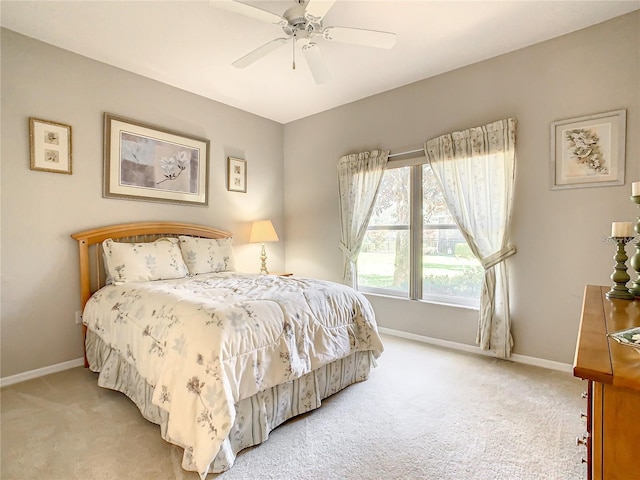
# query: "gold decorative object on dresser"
612,371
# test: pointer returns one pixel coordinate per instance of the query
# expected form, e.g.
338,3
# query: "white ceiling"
191,45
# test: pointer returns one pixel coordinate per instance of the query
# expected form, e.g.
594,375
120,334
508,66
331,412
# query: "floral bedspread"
208,341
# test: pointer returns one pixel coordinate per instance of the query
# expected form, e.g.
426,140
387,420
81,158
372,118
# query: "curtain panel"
475,170
359,177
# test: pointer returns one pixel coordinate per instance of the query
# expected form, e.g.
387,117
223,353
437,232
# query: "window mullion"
415,255
451,277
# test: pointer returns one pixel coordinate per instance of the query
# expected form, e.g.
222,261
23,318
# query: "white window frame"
415,228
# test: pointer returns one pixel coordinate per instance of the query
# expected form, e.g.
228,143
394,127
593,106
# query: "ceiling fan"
303,23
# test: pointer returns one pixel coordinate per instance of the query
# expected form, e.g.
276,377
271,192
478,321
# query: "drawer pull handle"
583,415
581,440
583,460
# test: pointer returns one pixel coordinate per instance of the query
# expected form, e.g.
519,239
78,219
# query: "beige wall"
558,234
40,288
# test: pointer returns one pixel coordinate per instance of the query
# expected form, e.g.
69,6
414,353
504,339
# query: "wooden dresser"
612,371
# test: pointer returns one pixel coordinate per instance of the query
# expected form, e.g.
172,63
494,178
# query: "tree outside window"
390,264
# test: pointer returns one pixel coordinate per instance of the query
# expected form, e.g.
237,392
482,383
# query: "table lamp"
262,231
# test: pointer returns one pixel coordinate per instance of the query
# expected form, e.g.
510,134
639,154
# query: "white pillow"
206,255
143,262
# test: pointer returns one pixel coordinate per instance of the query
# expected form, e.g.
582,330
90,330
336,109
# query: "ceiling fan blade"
317,9
357,36
316,63
259,52
248,11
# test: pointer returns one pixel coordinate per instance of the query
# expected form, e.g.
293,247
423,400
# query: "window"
412,247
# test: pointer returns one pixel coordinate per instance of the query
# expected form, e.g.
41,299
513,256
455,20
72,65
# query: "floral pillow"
206,255
143,262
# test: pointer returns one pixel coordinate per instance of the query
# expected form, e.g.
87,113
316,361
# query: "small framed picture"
50,146
236,175
588,151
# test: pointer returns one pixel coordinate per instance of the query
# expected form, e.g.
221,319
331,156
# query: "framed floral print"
236,175
146,162
588,151
50,146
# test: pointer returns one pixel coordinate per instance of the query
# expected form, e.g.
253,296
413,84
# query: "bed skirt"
256,416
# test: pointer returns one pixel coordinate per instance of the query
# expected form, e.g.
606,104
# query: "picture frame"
50,146
151,163
588,151
236,175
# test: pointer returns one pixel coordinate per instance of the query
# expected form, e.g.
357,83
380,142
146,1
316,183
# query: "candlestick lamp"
262,231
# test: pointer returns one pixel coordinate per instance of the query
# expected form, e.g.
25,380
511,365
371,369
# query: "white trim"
40,372
538,362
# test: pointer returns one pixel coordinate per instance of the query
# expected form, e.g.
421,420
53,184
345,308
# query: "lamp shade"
263,231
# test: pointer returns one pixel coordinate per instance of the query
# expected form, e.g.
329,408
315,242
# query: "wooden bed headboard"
92,273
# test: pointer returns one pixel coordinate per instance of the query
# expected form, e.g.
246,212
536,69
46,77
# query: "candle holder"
635,260
620,276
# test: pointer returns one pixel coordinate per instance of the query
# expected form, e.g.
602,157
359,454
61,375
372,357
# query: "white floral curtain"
359,178
475,170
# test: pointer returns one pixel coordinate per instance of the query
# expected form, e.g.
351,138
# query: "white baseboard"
40,372
538,362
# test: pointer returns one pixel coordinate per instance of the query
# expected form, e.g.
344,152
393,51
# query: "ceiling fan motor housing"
298,22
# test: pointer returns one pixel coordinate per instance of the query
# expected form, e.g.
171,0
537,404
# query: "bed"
216,357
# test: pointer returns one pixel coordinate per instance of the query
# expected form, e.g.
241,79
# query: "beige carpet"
425,413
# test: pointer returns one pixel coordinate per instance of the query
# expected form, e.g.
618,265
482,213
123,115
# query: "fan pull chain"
294,51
